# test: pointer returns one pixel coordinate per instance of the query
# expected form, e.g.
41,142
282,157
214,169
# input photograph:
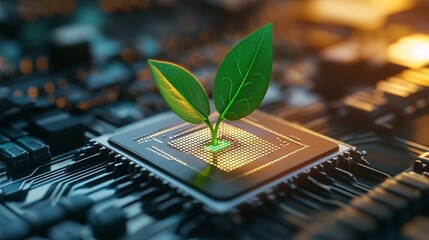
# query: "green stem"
215,131
209,124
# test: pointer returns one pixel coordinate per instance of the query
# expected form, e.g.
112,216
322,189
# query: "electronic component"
260,150
14,154
53,125
38,150
401,95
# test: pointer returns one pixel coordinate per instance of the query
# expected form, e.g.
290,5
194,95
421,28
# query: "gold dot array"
245,147
165,155
144,138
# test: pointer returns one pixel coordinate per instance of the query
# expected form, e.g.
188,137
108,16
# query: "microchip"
253,152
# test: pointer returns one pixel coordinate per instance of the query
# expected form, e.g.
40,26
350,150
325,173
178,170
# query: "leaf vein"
230,87
238,66
223,101
245,77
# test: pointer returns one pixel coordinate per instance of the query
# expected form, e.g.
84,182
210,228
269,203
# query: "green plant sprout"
240,84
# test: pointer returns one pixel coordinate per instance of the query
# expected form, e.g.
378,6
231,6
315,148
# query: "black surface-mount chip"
262,151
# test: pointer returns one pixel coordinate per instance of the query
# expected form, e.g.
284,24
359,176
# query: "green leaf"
244,75
181,90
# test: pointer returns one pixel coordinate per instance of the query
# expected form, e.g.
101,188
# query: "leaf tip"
268,26
151,62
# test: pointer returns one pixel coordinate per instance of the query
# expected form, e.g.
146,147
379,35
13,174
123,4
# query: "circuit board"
89,149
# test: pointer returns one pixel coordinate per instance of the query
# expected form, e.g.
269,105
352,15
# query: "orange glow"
49,87
410,51
42,63
33,92
26,66
362,14
61,102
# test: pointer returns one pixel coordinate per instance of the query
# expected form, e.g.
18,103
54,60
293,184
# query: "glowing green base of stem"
214,130
221,144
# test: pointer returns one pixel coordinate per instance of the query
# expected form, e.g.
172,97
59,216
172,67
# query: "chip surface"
260,149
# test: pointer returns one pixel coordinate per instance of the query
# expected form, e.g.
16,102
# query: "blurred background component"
71,70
